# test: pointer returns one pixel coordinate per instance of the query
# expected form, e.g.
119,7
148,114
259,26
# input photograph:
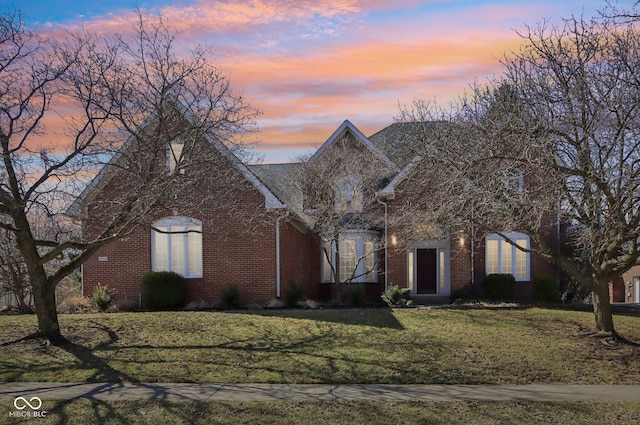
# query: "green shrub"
230,297
546,289
355,294
499,287
163,291
395,296
101,298
293,295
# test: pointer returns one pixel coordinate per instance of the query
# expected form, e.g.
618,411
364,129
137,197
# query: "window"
348,259
349,197
176,245
174,156
503,257
514,182
358,257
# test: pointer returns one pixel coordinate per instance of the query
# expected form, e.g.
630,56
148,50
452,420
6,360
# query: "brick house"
626,289
285,244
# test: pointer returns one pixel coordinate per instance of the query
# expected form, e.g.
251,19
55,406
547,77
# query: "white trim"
346,125
270,199
513,236
184,222
360,237
389,191
443,248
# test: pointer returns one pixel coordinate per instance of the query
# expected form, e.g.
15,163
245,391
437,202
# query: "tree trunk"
602,307
44,297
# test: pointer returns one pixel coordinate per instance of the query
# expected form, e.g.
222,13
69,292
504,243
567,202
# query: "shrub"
230,297
163,291
126,304
546,289
75,303
101,298
499,287
395,296
293,295
355,294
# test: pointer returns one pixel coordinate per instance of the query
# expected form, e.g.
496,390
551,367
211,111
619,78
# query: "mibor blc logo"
23,405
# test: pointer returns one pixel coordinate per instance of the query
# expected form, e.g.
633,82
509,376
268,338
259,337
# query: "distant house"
213,247
626,289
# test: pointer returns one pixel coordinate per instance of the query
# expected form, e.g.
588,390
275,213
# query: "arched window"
176,245
349,196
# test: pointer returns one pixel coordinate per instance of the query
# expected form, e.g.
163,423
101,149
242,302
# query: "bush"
546,289
163,291
499,287
395,296
293,295
230,297
75,303
355,294
101,298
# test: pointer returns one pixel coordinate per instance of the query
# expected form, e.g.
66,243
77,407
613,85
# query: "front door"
636,282
427,271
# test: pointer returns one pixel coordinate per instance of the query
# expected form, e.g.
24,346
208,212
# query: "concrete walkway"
317,392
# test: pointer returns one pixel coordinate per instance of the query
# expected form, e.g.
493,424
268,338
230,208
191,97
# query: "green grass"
84,412
400,346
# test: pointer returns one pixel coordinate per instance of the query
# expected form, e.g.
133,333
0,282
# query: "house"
626,289
268,228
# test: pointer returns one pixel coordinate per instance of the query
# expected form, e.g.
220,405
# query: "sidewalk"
317,392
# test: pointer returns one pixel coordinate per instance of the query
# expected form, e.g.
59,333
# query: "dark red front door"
427,271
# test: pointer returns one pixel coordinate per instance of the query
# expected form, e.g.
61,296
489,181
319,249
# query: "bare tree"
339,186
14,282
124,102
565,116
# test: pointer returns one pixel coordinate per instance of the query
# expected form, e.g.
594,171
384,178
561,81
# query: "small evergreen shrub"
230,297
163,291
546,289
101,298
293,295
499,287
355,294
395,296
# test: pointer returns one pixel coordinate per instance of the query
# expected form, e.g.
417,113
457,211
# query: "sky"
308,65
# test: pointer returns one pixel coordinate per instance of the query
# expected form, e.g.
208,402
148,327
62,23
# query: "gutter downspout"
278,283
386,244
473,248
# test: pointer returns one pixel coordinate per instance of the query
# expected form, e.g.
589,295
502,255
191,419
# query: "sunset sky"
309,65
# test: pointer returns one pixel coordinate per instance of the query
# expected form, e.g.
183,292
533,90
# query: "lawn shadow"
103,371
378,317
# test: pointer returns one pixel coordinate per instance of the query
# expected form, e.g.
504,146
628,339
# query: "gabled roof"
280,180
389,191
345,127
400,141
270,199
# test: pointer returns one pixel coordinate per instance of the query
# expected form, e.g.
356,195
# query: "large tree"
339,184
565,115
71,107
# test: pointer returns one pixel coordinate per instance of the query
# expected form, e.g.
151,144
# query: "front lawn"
378,345
83,412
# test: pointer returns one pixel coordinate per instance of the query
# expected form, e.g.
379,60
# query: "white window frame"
513,254
179,225
514,181
349,195
363,240
174,157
